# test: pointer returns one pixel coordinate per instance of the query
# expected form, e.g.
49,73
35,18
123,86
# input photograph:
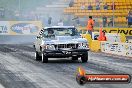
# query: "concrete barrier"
117,48
95,45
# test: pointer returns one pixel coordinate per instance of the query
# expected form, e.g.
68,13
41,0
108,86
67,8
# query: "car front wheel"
37,56
44,58
84,57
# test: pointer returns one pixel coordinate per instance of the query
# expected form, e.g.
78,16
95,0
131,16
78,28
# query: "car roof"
59,27
55,27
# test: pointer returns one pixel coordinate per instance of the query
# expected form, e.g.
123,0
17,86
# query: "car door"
39,40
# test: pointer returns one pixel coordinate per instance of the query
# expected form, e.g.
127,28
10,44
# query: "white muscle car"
60,42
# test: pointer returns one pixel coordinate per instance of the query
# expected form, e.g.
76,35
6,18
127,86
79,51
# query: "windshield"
52,32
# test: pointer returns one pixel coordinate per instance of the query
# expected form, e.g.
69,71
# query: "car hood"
65,40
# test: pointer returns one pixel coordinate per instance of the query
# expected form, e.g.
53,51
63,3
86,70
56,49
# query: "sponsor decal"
113,47
3,29
103,46
24,28
125,31
120,48
123,49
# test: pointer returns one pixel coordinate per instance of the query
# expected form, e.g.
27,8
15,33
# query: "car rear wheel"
37,57
84,57
74,58
44,58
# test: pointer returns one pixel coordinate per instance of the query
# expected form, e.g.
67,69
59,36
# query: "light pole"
113,12
19,5
19,8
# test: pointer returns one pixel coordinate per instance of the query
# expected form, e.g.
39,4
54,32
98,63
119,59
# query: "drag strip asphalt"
19,69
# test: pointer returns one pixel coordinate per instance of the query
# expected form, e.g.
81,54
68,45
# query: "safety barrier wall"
126,31
122,49
20,27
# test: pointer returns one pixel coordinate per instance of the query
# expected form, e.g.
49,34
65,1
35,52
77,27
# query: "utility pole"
19,8
113,13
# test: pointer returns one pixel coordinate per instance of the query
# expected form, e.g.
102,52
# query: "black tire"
37,57
44,58
74,58
84,57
